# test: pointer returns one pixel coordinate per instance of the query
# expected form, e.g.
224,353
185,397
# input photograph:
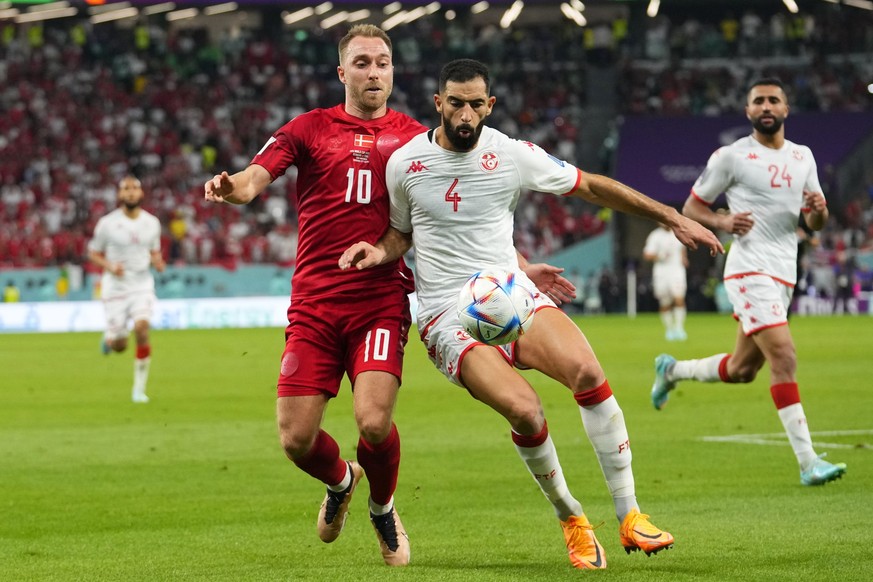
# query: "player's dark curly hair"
769,82
461,70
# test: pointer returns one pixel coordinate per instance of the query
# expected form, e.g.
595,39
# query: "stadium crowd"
84,104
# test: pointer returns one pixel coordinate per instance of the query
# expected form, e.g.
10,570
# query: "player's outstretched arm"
240,188
607,192
363,255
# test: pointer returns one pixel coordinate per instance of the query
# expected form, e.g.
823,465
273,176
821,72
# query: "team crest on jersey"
489,161
797,154
461,335
386,144
334,144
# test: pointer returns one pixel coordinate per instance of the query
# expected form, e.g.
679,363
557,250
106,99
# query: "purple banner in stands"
662,157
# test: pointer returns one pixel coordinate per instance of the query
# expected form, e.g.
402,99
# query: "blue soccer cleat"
820,472
104,347
662,387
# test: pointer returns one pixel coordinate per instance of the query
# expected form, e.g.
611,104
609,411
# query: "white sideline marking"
780,439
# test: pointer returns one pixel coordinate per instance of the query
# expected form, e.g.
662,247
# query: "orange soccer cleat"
638,533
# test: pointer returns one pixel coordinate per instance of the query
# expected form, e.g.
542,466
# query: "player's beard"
460,143
370,102
771,129
132,205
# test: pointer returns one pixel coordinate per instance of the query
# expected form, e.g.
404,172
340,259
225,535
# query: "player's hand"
814,201
692,234
549,281
361,255
739,223
218,188
160,265
116,269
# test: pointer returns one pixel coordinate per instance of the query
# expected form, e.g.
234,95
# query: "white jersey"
459,206
668,251
769,183
129,241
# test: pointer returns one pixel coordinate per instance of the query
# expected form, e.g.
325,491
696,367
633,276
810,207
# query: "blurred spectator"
11,293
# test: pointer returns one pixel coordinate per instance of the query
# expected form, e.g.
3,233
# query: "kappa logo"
416,167
752,156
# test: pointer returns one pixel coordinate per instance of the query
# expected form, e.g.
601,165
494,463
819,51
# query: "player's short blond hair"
365,30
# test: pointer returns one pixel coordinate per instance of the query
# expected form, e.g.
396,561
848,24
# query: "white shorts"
125,308
666,288
447,341
759,301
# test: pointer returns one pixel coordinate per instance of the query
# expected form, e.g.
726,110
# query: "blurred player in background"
669,282
353,323
769,181
126,243
453,194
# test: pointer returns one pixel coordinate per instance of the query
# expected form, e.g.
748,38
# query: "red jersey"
341,193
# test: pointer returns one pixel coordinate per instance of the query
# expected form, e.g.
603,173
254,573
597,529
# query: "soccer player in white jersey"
453,192
669,283
126,243
768,181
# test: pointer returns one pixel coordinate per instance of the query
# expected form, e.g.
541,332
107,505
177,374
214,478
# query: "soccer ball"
494,307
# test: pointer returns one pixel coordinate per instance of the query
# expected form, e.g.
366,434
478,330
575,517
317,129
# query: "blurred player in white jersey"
769,182
126,243
669,282
453,192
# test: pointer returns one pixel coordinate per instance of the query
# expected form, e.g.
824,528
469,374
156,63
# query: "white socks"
604,424
140,378
703,370
679,318
542,462
794,421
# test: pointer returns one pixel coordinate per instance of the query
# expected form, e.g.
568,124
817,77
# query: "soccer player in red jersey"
352,322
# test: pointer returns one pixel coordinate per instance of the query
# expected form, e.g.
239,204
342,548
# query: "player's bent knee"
524,417
586,376
295,444
374,431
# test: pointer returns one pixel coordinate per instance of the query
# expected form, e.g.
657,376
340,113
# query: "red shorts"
327,337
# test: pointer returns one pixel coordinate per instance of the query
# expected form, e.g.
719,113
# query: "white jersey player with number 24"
769,183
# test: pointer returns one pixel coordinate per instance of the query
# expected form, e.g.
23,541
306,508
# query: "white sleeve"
651,246
716,178
540,171
156,243
98,243
401,217
812,181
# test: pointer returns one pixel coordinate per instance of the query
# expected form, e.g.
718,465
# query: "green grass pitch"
193,486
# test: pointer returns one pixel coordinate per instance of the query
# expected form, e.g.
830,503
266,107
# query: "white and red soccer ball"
495,307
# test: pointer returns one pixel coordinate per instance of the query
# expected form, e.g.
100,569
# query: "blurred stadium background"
639,90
